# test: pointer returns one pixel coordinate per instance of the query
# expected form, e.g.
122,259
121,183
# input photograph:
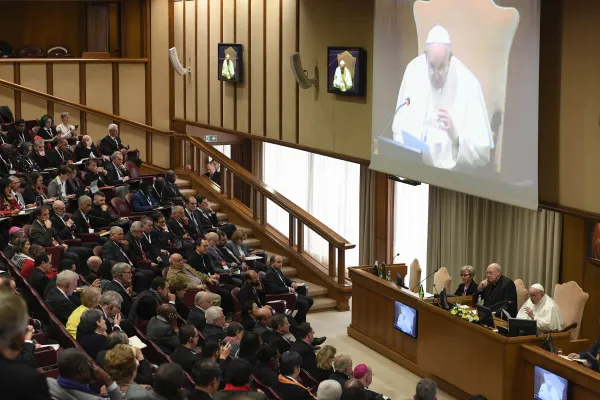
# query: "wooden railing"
260,193
181,144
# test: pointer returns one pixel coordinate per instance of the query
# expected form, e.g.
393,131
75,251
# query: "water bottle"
389,275
421,293
383,271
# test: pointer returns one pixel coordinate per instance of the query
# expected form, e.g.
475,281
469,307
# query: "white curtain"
468,230
325,187
411,210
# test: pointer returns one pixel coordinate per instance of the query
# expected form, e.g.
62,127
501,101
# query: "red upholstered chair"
268,390
308,381
97,251
55,252
50,371
122,207
165,272
46,357
237,307
189,298
134,173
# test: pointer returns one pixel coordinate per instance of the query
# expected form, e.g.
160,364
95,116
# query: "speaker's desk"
463,358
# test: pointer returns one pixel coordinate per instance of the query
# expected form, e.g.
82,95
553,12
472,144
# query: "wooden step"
314,290
188,192
252,243
221,217
289,272
322,304
183,184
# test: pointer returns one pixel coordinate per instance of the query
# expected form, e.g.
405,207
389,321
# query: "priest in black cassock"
498,288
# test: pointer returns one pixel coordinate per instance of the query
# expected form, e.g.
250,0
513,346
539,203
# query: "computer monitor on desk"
486,317
521,327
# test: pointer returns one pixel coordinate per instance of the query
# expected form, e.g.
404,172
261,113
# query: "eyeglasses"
465,275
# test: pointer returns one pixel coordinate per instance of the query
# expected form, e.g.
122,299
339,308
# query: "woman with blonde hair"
90,298
325,358
65,130
468,285
239,249
120,363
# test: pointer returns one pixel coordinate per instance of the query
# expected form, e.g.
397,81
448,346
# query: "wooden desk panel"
462,357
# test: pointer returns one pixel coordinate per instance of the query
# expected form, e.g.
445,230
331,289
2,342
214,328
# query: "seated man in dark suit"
280,326
287,385
121,283
41,233
116,173
38,278
39,154
194,224
212,173
143,200
19,381
102,216
162,329
87,149
218,260
136,250
209,220
263,321
207,379
171,189
57,298
266,368
177,224
116,249
303,346
95,173
59,155
158,190
145,304
589,357
277,283
215,323
62,225
201,261
342,365
19,133
112,142
197,315
498,288
184,354
252,290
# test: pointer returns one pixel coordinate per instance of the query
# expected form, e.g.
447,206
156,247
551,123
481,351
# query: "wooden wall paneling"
66,86
228,18
214,85
7,96
115,90
178,80
272,69
384,222
132,105
160,67
83,97
34,77
203,66
146,50
242,24
132,28
190,55
50,87
17,79
99,94
257,50
289,99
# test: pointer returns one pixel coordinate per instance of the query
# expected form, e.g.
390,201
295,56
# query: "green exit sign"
210,138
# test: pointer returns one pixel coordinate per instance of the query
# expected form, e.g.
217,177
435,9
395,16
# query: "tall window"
223,148
411,210
325,187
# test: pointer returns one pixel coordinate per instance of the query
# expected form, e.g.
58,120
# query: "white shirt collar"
64,294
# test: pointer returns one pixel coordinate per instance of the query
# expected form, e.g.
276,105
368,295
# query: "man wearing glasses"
498,292
447,111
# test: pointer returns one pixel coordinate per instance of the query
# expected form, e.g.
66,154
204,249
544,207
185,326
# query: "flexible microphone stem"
427,277
406,103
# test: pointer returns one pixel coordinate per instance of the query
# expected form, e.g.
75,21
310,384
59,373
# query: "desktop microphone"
394,258
501,304
406,103
419,284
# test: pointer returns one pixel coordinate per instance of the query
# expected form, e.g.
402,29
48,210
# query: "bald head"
264,316
212,238
58,207
94,263
493,272
165,310
176,261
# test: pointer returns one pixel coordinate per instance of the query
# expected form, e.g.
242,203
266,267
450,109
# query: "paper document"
507,314
135,341
252,258
579,360
54,346
414,143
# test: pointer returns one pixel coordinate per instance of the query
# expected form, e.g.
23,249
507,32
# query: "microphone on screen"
406,103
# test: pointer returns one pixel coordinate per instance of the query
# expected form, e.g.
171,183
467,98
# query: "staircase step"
252,243
322,304
214,206
314,290
183,184
188,192
221,217
289,272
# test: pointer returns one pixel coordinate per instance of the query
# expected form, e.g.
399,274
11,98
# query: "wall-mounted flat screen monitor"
231,62
405,319
346,71
549,386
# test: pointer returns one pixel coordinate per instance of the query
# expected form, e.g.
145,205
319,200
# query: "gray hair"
329,390
119,268
144,220
115,338
111,298
113,126
39,142
114,155
426,390
213,313
136,227
89,320
84,200
496,266
13,318
115,229
469,269
341,363
200,297
65,277
10,178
